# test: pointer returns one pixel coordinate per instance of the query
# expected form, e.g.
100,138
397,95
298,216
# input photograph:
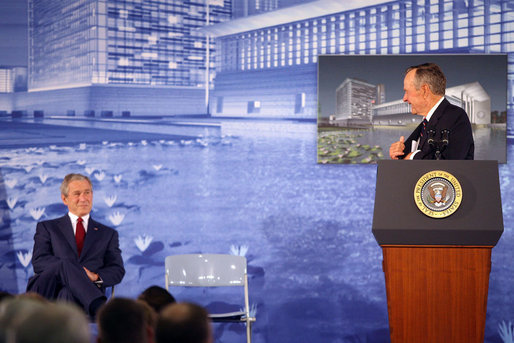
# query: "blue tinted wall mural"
196,122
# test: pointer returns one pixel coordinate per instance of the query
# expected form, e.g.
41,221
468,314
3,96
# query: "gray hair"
65,186
12,313
54,323
430,74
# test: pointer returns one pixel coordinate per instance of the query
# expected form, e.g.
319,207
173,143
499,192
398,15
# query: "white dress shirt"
74,219
415,144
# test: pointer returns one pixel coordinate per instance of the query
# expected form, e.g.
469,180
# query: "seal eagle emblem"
438,194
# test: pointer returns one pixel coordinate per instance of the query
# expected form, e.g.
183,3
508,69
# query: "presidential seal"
438,194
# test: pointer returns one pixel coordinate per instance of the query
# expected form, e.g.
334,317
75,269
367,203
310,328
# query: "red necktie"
80,233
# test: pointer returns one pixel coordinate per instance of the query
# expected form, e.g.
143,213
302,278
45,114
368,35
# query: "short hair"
432,75
5,295
150,315
33,296
65,185
157,297
13,311
56,323
183,323
122,320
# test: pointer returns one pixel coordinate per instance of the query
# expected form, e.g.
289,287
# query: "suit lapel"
93,232
67,230
432,124
413,137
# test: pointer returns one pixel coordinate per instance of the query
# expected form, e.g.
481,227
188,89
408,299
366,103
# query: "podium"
437,268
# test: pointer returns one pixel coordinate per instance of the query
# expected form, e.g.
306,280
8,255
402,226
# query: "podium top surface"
397,220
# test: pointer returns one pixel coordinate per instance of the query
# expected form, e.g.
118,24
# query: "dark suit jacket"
54,240
460,143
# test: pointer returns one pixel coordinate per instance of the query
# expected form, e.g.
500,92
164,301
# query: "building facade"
380,94
261,65
146,44
472,97
6,80
354,99
13,79
244,8
82,42
272,45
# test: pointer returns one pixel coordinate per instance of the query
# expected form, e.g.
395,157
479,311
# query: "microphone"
430,135
438,145
445,137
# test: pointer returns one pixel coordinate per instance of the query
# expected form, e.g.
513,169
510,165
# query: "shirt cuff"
99,282
411,157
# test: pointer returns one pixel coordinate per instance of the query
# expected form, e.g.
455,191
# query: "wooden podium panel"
436,293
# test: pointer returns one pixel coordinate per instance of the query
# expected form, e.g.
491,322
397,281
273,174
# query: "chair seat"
228,317
232,317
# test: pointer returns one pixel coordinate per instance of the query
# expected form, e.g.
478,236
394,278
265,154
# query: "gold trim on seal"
444,182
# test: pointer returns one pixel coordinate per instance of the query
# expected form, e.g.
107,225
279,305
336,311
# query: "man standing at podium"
445,132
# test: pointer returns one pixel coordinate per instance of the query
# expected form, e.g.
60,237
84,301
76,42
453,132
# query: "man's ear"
426,89
63,198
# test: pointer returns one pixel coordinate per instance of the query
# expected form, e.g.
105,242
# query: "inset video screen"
361,107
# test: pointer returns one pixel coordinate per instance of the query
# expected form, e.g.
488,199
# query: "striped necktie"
423,127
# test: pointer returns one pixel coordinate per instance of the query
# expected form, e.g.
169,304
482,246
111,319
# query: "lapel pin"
96,229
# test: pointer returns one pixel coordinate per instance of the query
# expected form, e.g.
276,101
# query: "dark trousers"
65,280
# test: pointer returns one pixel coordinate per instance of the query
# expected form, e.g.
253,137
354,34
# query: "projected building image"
355,101
279,49
231,55
138,52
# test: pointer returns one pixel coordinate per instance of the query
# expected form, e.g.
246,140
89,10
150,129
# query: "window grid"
414,26
122,42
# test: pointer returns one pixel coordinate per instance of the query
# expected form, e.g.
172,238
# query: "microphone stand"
437,145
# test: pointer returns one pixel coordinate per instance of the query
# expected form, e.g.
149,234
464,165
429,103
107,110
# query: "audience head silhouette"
157,297
35,322
183,323
122,320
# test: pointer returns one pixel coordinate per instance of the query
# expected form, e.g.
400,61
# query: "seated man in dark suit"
74,256
445,132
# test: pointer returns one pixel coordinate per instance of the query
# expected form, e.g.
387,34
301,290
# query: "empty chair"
212,270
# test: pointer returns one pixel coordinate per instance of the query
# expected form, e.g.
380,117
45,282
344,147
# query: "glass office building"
395,27
6,80
355,99
74,43
13,79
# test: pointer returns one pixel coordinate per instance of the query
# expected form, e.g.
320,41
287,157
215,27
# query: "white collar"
432,110
74,217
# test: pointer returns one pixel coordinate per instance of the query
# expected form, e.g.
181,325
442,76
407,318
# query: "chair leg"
248,331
